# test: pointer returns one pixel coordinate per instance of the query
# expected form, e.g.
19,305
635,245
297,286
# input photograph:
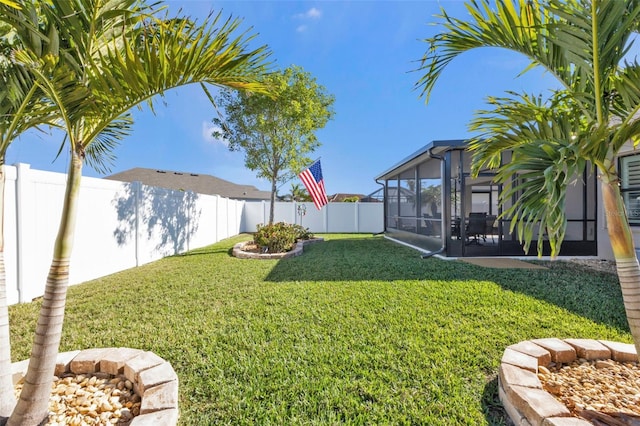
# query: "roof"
433,147
199,183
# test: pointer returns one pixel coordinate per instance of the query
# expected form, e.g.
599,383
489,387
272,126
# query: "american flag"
312,179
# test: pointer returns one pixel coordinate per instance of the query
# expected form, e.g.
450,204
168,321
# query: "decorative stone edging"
520,390
153,378
296,251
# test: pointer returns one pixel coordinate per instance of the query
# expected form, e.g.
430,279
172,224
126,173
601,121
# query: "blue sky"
363,52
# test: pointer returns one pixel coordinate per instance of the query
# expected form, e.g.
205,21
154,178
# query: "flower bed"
246,250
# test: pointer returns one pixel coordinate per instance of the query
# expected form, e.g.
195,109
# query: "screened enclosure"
433,202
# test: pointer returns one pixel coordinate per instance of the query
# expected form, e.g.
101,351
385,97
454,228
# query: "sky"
365,53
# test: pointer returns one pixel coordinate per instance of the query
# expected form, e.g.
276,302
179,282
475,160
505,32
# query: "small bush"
279,237
302,233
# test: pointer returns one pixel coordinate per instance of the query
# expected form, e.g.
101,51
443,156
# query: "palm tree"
21,108
114,55
432,196
584,124
298,193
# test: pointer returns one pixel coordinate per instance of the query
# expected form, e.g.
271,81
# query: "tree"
21,108
583,124
113,55
276,131
299,193
432,196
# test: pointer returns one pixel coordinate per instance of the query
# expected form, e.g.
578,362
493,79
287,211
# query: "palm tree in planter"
22,107
583,124
114,55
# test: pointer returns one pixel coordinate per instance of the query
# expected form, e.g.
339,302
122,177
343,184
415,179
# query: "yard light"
302,210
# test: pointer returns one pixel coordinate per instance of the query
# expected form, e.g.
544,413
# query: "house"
434,203
199,183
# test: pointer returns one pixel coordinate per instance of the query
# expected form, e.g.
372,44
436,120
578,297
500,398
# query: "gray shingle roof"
202,184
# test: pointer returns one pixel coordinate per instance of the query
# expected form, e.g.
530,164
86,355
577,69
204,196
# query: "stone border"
520,390
153,378
297,250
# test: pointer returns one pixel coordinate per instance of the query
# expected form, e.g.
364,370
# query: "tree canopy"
276,131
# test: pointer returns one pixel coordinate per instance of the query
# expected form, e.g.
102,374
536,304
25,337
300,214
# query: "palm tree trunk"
625,255
32,406
7,398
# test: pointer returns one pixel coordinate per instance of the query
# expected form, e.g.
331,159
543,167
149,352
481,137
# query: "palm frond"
10,3
86,25
557,35
522,26
624,104
99,153
23,105
515,120
545,138
59,84
616,22
171,53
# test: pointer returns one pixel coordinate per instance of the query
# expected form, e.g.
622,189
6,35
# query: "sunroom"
432,202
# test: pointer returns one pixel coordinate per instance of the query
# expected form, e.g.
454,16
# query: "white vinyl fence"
122,225
333,218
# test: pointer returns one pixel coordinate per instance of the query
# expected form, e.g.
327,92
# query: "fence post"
325,217
137,205
265,214
191,201
22,231
218,220
216,237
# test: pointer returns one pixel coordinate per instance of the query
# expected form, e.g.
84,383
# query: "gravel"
604,392
99,399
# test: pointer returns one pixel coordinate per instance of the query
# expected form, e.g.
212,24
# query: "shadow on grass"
207,251
593,295
350,259
492,407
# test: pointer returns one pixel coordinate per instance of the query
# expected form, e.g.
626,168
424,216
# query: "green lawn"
358,330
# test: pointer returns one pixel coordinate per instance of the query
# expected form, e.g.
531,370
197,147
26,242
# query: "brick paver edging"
520,390
297,251
153,378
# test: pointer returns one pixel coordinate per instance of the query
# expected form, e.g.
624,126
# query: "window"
630,177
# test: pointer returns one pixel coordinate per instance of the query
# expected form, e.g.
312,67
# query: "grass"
356,331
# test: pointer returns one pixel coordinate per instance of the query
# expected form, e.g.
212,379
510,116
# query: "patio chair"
476,228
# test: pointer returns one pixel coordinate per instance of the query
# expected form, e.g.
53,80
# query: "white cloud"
207,134
301,28
312,13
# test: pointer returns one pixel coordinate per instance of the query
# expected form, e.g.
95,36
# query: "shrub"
353,199
302,233
279,237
